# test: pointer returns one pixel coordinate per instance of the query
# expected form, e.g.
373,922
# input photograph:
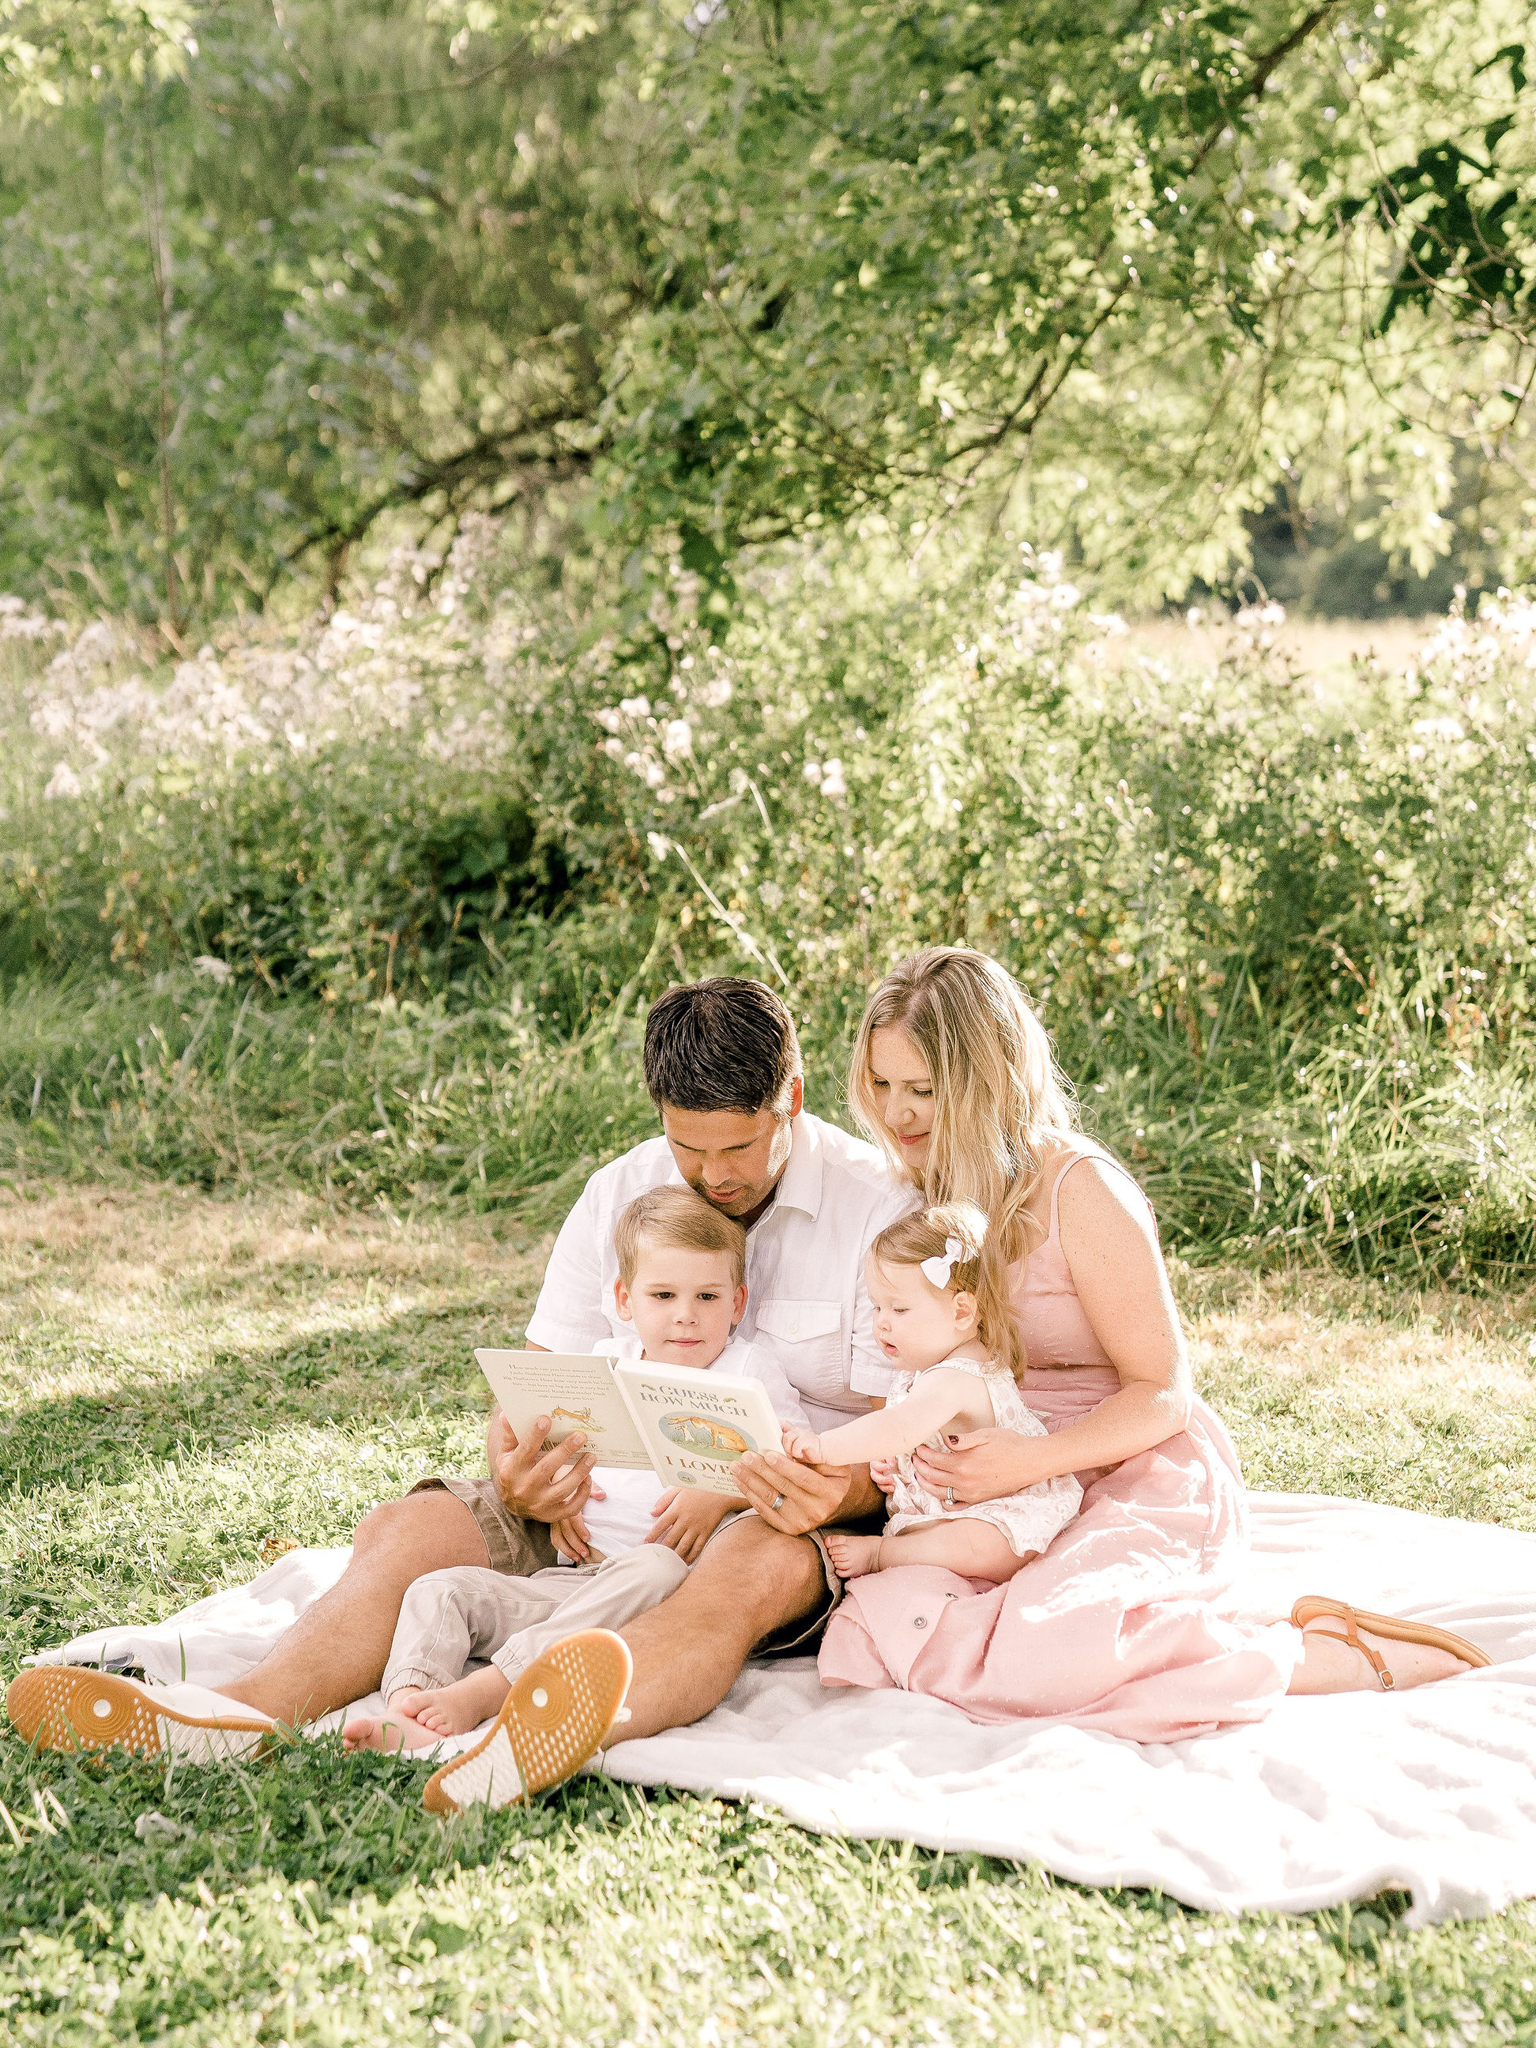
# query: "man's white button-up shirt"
806,1301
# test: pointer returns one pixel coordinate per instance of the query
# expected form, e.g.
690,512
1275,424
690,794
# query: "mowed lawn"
187,1383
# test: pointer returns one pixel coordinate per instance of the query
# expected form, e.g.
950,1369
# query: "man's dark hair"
725,1043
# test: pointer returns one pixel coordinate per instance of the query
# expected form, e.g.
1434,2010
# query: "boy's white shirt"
624,1520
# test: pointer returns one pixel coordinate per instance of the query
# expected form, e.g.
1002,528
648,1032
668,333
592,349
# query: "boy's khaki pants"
449,1618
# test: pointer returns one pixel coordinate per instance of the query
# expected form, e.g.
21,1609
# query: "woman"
1126,1623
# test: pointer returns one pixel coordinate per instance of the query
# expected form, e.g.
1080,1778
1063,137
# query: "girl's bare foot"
390,1731
853,1556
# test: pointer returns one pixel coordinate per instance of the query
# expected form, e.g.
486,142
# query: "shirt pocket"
806,1338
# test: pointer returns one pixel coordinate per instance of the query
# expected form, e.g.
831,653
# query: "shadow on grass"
421,1360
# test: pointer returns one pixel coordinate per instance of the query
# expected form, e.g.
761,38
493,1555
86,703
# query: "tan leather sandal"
1392,1627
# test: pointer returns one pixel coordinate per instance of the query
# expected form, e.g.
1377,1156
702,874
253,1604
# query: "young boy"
682,1287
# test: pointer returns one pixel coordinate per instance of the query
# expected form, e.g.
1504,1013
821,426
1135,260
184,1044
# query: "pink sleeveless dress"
1125,1623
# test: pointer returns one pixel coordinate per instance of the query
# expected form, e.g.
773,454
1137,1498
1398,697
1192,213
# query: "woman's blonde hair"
1000,1099
928,1234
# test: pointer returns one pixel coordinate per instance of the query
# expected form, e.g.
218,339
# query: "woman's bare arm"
1117,1267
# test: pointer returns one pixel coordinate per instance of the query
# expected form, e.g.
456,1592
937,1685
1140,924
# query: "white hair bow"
938,1268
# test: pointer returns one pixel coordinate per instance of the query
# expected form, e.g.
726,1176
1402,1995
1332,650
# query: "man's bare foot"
390,1731
852,1556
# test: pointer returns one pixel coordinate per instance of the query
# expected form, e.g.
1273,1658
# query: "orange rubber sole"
555,1717
71,1707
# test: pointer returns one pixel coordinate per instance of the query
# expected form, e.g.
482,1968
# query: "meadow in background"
375,904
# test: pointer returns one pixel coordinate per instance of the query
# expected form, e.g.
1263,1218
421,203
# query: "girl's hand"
803,1444
883,1473
985,1464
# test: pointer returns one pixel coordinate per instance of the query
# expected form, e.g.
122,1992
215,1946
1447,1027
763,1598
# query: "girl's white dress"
1030,1519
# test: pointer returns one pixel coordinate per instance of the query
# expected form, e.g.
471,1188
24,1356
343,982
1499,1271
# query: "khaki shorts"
521,1548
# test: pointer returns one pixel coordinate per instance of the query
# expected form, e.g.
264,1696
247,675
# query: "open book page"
575,1392
697,1424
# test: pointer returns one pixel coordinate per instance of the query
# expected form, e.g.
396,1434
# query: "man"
722,1064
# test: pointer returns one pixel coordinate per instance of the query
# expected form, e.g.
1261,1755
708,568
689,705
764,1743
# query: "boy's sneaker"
76,1707
556,1716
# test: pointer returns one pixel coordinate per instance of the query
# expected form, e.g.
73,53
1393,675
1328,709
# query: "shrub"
1281,926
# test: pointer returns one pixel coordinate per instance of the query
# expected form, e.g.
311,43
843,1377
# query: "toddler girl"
942,1318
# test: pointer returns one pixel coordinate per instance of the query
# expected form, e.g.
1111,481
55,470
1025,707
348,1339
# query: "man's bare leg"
689,1651
336,1650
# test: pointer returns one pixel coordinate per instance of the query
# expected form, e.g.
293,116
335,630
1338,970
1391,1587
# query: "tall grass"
377,905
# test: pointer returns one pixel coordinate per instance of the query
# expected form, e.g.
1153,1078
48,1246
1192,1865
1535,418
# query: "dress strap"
1105,1159
978,1368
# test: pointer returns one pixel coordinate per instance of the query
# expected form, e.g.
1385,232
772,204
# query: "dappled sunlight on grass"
186,1378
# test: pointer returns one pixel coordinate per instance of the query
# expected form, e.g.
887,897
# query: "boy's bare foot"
455,1709
852,1556
390,1731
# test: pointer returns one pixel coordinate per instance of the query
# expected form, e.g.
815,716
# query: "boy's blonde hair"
676,1219
979,1270
1000,1102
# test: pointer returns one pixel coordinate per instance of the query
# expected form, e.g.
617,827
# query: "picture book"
688,1426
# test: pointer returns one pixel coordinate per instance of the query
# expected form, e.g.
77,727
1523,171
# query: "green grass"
187,1378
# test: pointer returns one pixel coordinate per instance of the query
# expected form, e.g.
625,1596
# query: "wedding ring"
949,1496
776,1503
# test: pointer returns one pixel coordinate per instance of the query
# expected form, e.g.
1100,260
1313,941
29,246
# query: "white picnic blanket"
1432,1791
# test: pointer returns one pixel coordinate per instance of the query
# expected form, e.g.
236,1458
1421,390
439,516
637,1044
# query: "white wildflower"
63,782
614,749
812,771
718,694
155,1827
677,737
53,718
208,968
610,718
635,707
770,895
832,783
659,845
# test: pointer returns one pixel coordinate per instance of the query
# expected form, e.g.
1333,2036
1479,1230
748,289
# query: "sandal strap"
1352,1637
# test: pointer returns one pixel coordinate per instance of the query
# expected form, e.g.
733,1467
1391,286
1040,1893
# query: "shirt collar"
800,1183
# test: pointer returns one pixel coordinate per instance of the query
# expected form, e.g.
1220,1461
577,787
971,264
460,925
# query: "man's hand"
547,1486
807,1495
685,1519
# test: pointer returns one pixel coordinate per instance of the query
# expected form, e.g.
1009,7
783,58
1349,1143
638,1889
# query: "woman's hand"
983,1465
806,1495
